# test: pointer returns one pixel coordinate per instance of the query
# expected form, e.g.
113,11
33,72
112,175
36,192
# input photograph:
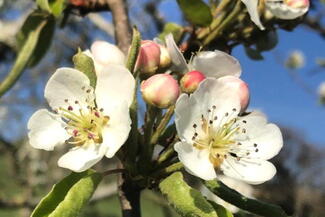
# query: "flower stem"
170,169
162,125
226,22
248,204
113,171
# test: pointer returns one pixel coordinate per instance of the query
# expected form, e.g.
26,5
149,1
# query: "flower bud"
191,80
297,3
165,59
160,90
148,58
241,87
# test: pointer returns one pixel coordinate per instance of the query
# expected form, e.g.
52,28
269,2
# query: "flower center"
218,136
85,122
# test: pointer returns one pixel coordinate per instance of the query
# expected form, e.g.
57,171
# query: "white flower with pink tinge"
214,138
214,64
95,122
283,9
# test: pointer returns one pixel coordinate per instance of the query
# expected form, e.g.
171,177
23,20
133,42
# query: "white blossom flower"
287,9
211,63
283,9
213,136
242,187
295,60
95,122
105,54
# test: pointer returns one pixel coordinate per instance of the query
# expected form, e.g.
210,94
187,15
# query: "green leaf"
221,211
44,42
69,196
196,12
173,28
253,53
242,202
134,50
29,38
44,5
57,6
35,19
85,64
54,7
187,201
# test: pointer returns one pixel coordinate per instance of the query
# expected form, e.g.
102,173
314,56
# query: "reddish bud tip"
160,90
191,80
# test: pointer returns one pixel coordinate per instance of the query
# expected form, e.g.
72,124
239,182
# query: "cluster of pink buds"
152,57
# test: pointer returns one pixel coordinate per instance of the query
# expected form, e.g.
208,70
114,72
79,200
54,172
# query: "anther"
214,107
88,91
243,130
76,102
70,108
255,145
256,150
101,110
194,125
234,109
211,122
66,100
209,110
244,121
226,114
215,118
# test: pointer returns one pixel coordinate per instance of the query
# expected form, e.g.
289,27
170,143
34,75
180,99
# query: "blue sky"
272,89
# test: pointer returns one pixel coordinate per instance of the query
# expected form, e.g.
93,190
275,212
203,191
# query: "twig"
101,23
121,23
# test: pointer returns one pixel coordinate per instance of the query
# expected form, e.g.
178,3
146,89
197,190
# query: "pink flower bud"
297,3
191,80
160,90
241,87
165,59
148,58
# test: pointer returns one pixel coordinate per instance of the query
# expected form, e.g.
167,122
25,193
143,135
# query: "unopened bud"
165,59
148,58
297,3
160,90
240,87
191,80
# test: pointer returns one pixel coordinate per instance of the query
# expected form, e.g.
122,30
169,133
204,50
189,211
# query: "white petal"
79,159
216,64
179,63
216,93
114,84
46,130
252,8
266,137
118,129
106,53
187,113
70,84
252,172
195,161
283,11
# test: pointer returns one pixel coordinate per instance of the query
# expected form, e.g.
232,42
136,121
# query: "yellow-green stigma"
84,125
219,140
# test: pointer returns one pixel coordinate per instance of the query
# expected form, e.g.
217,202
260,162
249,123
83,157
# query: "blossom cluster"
216,133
